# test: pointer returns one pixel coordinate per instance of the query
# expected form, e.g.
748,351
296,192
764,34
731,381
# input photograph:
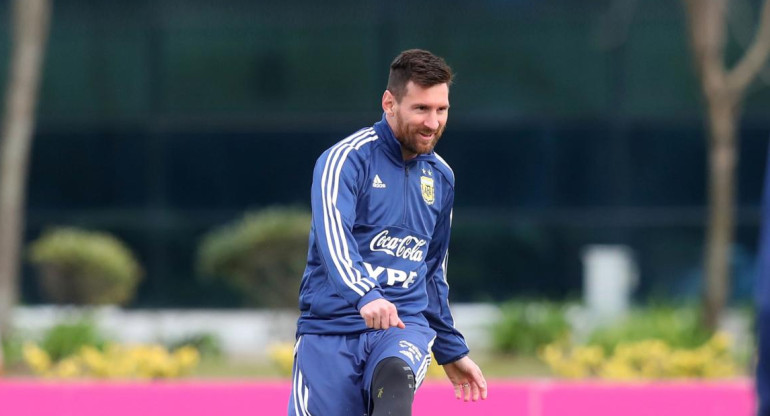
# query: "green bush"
525,326
263,255
11,352
85,268
208,345
63,340
678,327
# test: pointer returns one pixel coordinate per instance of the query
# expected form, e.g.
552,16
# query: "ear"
388,103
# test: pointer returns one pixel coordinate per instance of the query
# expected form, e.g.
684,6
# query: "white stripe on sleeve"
335,234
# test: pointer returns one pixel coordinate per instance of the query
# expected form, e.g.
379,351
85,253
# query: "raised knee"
392,387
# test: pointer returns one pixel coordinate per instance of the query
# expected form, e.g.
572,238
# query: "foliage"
646,359
10,348
263,255
114,362
282,356
677,327
527,325
208,345
63,340
83,267
434,370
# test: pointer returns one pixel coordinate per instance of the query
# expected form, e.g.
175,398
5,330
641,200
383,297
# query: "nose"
431,121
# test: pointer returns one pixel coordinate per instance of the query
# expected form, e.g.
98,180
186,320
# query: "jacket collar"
392,145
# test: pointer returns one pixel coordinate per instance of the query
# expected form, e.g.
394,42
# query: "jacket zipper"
406,191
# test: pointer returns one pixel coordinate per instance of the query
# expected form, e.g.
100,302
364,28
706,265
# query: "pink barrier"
235,398
559,398
653,399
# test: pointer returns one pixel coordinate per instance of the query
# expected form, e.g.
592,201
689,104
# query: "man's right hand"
381,314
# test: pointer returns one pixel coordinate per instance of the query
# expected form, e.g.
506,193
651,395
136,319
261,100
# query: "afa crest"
426,185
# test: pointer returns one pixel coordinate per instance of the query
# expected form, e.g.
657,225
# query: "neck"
407,155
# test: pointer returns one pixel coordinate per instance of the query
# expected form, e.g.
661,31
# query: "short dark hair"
419,66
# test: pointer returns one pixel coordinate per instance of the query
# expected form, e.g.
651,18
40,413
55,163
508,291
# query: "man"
373,298
763,305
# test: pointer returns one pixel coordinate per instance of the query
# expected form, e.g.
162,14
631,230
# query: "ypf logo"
394,276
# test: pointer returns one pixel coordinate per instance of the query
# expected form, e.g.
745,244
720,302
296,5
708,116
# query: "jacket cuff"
373,294
446,353
451,360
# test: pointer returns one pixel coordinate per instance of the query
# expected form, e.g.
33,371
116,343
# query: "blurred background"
160,120
573,124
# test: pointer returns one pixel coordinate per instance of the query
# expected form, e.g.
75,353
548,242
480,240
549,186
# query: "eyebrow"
428,105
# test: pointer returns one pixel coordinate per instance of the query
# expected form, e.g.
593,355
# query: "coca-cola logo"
409,247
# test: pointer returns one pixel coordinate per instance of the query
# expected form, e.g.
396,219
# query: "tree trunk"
30,31
724,91
721,193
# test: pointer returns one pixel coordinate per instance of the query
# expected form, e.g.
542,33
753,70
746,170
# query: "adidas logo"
378,182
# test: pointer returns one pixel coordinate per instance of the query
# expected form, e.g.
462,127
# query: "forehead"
435,95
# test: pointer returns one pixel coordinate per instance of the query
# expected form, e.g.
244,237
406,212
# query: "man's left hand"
467,379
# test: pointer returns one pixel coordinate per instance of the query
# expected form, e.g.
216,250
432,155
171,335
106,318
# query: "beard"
409,137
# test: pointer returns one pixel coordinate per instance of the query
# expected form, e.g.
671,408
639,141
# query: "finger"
396,321
393,319
479,385
384,322
466,392
458,391
474,391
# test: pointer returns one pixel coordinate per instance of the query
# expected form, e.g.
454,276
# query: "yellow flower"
434,369
95,363
36,358
116,361
720,342
551,353
282,356
67,368
647,359
591,356
618,370
187,358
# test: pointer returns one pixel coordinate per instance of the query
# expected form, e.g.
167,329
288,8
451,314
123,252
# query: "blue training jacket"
380,230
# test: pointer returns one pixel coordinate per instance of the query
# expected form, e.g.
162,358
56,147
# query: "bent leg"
392,388
411,348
